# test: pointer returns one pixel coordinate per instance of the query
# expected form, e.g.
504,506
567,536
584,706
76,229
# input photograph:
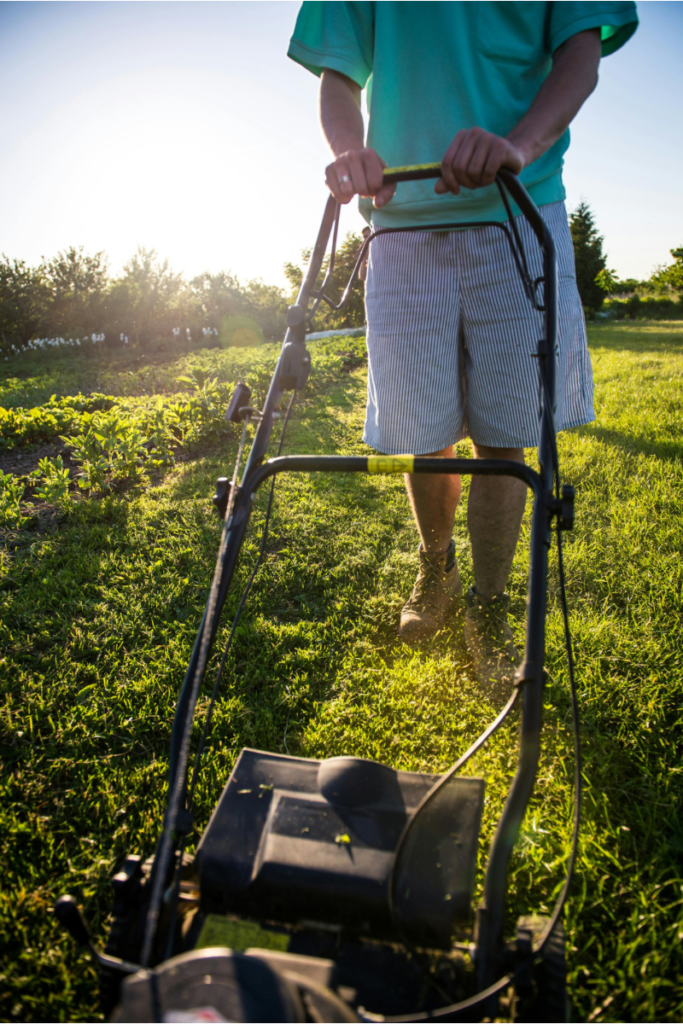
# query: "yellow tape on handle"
413,172
411,168
390,463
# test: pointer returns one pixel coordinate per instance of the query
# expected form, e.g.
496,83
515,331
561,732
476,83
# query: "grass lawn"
99,606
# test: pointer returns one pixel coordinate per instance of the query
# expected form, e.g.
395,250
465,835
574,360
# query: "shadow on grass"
667,450
650,339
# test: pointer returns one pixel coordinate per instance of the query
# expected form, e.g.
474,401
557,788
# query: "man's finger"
345,183
339,181
494,162
374,167
461,161
448,177
478,160
384,195
359,181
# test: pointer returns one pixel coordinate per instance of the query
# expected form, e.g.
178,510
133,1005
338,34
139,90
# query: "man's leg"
416,399
434,499
494,515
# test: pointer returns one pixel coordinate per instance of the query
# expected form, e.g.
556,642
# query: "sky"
184,128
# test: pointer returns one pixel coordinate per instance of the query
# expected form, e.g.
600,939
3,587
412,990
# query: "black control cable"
530,286
217,682
164,850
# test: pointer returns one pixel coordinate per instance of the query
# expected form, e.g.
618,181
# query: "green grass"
98,612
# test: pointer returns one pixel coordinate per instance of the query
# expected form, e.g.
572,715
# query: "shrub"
163,430
648,308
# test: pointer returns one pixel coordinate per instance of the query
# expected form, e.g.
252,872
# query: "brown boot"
438,582
489,640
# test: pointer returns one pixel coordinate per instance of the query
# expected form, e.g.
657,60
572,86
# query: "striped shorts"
451,338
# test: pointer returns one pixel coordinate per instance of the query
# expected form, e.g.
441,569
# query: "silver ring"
344,178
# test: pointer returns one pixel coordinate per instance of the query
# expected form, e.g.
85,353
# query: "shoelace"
428,578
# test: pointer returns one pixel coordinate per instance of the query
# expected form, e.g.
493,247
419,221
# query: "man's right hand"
358,172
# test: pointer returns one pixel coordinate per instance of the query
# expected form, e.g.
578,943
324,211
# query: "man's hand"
358,172
473,159
475,156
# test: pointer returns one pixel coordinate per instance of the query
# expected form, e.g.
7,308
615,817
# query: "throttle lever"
70,917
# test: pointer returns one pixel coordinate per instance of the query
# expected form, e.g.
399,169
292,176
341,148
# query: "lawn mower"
341,889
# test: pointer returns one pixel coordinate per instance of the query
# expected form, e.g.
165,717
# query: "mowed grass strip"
98,617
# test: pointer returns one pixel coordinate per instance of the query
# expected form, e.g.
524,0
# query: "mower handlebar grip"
413,172
422,172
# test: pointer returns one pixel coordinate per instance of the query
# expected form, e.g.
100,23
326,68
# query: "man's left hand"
473,159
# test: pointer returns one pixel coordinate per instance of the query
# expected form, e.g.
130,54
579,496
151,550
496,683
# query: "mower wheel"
541,995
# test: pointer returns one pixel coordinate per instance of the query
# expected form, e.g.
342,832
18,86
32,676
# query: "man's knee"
482,451
444,453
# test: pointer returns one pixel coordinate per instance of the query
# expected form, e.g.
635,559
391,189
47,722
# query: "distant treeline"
73,296
601,291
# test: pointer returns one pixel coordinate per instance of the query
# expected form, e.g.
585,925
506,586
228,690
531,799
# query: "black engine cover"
301,841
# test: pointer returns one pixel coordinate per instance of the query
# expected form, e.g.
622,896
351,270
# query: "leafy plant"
113,446
54,484
163,427
11,493
45,422
87,449
124,443
202,413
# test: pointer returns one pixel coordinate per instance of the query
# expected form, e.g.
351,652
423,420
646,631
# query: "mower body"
296,893
296,840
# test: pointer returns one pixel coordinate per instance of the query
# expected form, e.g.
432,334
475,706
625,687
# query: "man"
363,268
478,86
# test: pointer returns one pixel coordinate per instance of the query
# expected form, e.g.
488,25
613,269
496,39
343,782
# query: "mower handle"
505,179
291,373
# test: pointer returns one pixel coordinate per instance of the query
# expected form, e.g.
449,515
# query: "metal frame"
291,371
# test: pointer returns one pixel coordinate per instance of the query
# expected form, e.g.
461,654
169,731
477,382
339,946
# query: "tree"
78,284
268,305
216,296
218,299
149,300
607,281
627,286
353,313
670,278
25,297
588,255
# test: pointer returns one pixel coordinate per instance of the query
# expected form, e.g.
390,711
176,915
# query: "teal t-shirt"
431,69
